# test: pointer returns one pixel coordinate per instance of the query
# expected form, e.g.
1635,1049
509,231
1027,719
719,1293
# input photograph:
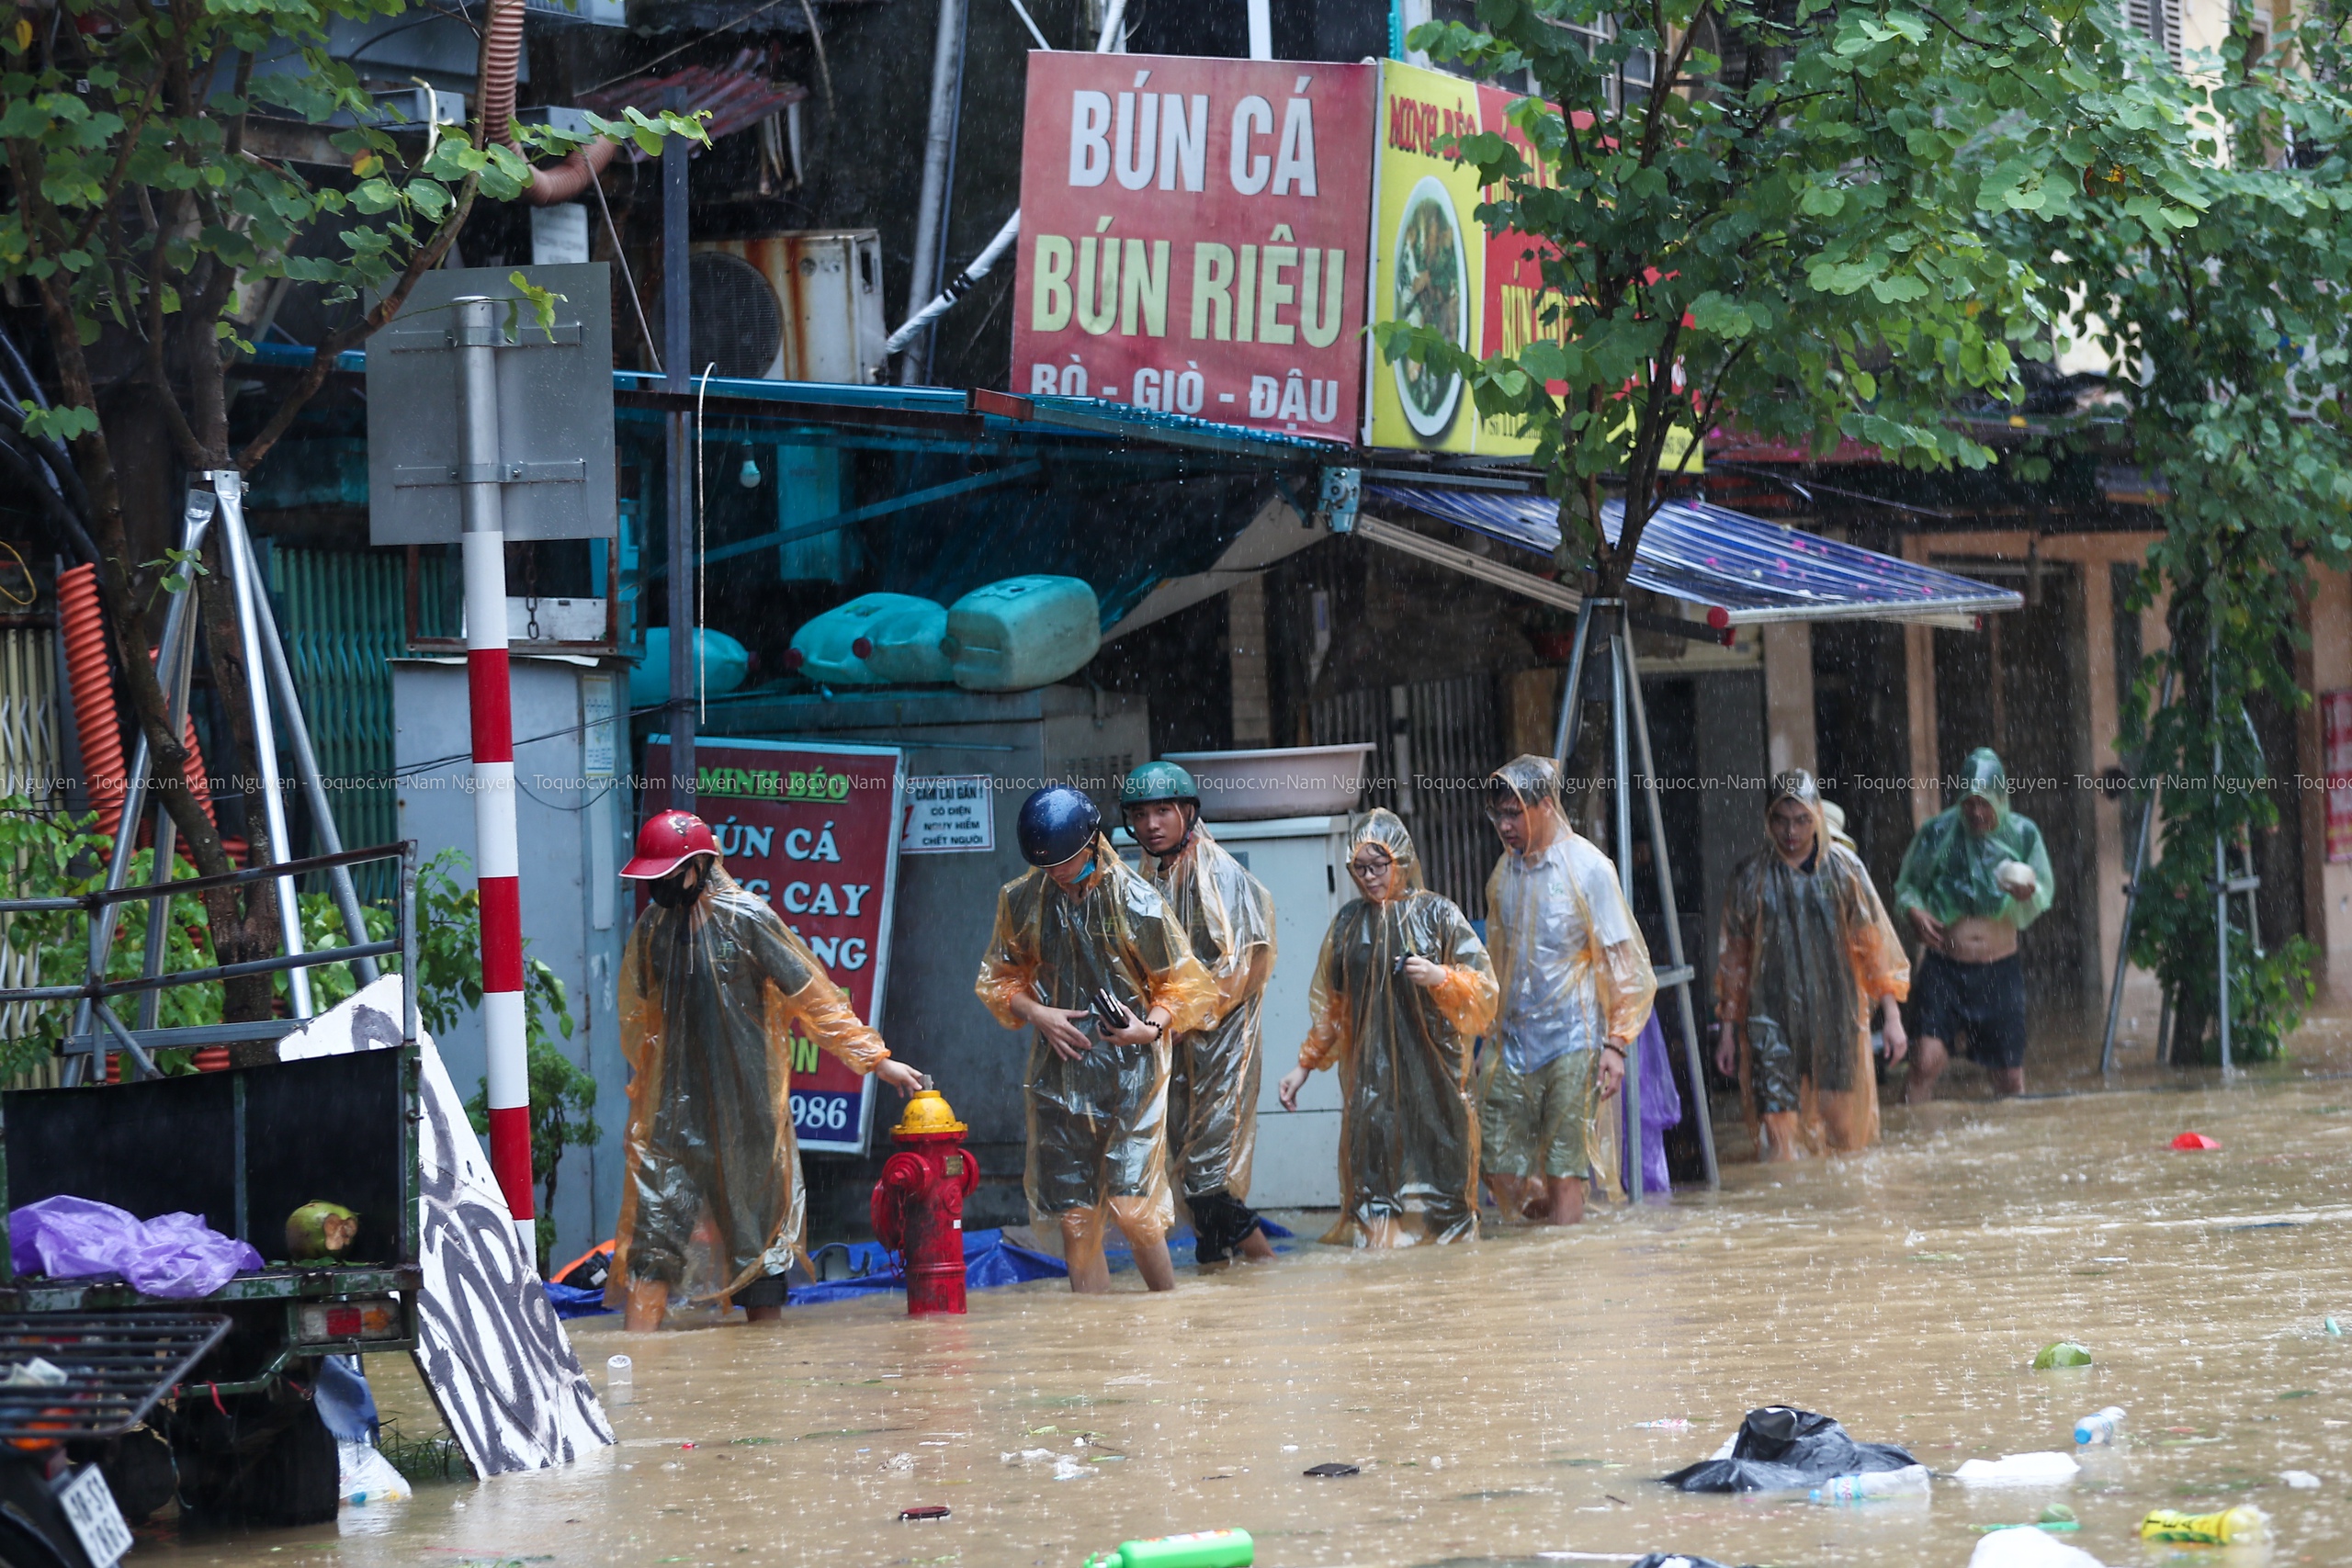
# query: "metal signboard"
1192,237
814,831
554,463
950,814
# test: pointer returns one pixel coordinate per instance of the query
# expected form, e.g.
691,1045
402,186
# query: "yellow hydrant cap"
928,1112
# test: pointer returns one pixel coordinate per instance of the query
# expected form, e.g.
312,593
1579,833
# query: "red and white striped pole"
497,862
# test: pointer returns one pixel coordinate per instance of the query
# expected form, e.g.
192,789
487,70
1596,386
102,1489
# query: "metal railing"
82,1049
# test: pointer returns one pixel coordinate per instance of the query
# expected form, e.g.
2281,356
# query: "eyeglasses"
1367,869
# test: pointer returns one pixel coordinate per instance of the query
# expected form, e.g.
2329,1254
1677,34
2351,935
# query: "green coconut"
2061,1353
320,1230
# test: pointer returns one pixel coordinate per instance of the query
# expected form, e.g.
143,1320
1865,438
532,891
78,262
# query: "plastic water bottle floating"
2100,1427
2231,1527
1201,1549
1911,1481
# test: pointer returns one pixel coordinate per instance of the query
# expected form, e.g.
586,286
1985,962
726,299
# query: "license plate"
97,1521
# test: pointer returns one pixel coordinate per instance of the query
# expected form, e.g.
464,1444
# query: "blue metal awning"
1713,557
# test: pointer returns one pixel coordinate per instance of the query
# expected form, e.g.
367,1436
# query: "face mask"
673,893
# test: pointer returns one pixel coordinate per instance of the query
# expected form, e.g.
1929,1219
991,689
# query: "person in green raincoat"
1213,1080
1401,989
1975,875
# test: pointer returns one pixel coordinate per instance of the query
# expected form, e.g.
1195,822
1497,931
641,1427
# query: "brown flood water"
1492,1391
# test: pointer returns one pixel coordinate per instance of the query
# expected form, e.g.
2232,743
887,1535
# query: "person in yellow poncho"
1087,953
1577,987
712,983
1213,1082
1402,986
1807,954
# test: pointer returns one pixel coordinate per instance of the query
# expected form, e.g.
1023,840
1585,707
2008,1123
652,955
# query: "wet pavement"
1494,1395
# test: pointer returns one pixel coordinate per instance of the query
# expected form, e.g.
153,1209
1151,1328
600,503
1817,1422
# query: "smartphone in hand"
1111,1013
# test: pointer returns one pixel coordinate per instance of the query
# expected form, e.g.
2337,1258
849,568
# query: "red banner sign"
1193,234
814,831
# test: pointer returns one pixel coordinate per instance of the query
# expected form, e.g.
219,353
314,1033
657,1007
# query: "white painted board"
489,1346
1303,862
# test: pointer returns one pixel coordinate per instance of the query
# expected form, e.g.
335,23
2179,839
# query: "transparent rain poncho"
1408,1128
1098,1133
1213,1096
1806,952
1953,875
710,996
1573,969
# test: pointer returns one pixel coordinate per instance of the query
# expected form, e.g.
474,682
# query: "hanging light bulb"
748,476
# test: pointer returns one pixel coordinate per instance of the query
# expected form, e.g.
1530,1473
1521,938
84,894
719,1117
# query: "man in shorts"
1975,876
1576,988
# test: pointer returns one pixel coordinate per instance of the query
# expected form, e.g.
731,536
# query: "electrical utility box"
574,818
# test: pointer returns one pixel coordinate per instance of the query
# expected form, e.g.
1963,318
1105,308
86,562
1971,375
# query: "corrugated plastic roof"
1715,558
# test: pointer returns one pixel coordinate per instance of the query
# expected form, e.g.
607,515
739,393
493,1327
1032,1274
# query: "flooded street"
1494,1394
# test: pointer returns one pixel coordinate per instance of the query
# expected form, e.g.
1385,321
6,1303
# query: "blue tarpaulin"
1714,558
989,1259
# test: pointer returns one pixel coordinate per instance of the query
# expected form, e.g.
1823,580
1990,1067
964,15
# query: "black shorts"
1983,1001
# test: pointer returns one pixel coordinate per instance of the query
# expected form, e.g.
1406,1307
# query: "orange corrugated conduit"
91,680
502,57
90,673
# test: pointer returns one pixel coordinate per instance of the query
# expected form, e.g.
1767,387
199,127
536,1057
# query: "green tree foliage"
2230,331
449,942
51,856
1785,230
138,211
46,855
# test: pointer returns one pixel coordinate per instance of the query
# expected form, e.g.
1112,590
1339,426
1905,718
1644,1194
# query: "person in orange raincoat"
1078,926
1401,989
1807,954
712,985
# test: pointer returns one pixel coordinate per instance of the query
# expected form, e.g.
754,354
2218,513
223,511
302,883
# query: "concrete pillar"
2329,662
1919,680
1789,738
1245,640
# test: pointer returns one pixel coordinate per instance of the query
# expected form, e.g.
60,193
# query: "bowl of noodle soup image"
1431,286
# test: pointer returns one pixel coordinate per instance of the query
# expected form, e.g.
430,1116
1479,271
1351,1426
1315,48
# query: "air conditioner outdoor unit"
797,307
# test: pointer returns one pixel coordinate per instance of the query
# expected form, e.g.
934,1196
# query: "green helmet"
1159,780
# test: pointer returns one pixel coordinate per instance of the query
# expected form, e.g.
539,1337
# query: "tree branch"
314,376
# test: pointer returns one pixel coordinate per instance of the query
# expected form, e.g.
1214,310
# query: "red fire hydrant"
918,1205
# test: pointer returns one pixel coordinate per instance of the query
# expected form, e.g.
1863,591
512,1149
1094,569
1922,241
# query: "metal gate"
342,616
30,766
1437,741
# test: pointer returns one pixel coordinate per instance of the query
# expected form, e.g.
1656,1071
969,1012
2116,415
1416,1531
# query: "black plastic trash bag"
1780,1448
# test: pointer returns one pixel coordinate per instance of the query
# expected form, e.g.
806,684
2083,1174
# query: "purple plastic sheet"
171,1254
1661,1108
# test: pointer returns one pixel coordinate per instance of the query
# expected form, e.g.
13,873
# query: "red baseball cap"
667,842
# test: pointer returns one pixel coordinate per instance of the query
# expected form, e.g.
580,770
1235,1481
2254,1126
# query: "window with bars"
1437,741
1629,85
2158,21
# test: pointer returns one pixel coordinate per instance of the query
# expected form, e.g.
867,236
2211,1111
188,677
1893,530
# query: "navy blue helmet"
1057,823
